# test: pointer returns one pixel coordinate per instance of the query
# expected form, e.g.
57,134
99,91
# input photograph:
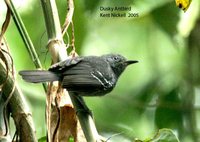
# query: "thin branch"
26,38
52,19
24,34
19,108
69,16
85,118
56,45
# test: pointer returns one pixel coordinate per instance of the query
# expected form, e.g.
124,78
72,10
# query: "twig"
19,109
69,16
3,57
85,118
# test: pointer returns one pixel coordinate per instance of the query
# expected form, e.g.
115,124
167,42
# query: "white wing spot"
104,82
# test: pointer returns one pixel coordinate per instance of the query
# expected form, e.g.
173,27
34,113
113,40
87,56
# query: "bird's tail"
37,76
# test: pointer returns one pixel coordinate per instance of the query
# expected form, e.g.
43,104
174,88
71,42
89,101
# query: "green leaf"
172,14
164,135
145,94
91,5
71,139
42,139
144,7
168,113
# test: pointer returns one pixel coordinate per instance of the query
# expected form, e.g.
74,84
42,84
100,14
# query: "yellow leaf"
183,4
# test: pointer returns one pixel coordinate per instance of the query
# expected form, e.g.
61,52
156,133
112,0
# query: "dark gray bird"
86,76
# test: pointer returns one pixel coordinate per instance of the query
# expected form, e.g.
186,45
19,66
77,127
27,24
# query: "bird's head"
118,63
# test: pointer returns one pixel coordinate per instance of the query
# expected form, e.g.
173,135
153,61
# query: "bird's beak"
129,62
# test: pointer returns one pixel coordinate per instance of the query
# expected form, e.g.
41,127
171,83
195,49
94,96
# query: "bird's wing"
65,64
85,78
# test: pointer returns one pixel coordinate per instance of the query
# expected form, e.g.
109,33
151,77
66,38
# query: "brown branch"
18,108
69,16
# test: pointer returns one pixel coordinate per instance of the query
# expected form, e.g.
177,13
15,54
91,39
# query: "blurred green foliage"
161,91
164,135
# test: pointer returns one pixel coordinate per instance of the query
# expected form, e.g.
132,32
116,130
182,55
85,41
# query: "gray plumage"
87,76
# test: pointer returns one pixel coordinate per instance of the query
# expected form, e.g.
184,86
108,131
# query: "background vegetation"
161,91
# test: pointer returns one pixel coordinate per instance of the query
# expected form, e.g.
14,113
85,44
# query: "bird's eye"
115,58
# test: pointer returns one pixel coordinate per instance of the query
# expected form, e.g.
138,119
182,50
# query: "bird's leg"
82,105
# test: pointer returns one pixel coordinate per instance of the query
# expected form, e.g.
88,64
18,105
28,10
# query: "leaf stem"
24,35
26,38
